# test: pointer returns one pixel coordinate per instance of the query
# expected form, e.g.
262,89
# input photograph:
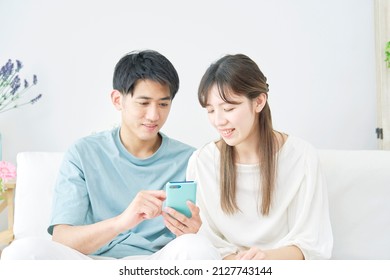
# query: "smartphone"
178,193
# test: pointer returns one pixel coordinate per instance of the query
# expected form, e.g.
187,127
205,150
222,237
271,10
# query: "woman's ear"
260,102
116,99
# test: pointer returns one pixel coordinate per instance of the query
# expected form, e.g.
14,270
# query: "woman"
261,192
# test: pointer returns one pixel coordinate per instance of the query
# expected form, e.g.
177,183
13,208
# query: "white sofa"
358,187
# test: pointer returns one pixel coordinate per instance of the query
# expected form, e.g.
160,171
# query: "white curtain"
382,36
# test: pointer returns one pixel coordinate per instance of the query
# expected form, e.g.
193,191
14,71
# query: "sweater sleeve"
308,214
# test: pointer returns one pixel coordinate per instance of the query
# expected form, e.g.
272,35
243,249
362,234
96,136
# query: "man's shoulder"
94,141
176,145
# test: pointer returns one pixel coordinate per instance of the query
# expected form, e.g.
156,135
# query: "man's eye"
210,111
228,109
163,104
143,103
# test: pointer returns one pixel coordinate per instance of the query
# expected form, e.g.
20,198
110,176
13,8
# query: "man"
109,196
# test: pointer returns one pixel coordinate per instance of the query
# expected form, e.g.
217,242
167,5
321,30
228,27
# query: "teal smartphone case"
177,195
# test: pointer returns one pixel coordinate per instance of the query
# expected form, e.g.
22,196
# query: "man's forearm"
87,238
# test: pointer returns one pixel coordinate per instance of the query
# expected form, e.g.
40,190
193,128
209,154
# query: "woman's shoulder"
206,151
299,146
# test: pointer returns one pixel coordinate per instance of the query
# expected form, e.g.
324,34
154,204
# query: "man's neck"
140,148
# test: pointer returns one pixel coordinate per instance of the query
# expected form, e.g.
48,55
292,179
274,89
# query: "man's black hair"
144,65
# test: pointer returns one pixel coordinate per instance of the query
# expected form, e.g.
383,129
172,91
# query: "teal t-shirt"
99,178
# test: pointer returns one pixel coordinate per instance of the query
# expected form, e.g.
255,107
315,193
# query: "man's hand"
146,205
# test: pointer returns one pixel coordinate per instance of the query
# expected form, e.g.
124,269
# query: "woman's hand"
180,224
253,253
290,252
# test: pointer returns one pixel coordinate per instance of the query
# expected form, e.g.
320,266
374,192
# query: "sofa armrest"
7,235
36,176
359,202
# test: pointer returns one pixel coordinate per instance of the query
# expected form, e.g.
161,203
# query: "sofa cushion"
358,188
359,202
36,176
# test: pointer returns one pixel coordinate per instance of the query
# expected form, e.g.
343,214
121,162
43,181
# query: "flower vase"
1,190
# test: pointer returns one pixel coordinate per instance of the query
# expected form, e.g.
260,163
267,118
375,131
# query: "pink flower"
7,170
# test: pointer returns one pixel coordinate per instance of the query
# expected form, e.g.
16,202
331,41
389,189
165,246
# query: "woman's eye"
209,109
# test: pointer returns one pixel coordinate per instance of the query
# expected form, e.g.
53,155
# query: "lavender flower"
11,92
19,65
15,85
35,99
7,70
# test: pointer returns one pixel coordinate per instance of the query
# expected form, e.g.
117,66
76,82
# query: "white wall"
318,57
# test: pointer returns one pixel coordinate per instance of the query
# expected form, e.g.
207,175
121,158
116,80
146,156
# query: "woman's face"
236,123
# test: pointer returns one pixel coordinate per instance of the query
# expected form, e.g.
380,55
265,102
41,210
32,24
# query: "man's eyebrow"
149,98
143,97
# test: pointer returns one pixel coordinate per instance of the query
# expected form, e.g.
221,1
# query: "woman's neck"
249,152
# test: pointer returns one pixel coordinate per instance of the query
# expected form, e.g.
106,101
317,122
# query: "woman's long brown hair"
240,75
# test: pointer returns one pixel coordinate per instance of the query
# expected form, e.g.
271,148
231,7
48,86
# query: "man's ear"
116,99
260,102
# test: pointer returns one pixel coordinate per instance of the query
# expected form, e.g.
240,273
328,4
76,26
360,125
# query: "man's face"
144,113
